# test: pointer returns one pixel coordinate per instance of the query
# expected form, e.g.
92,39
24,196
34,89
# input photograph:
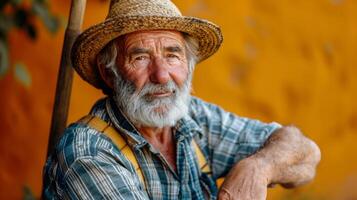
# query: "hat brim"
93,40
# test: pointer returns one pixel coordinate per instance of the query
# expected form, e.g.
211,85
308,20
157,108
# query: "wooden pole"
65,75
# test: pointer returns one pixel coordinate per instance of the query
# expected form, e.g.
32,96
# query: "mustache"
151,88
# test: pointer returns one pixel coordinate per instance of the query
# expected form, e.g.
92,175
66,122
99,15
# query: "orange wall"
289,61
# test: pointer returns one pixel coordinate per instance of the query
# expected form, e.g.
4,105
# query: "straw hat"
126,16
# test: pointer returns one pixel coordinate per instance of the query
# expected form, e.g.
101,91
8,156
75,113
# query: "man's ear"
106,74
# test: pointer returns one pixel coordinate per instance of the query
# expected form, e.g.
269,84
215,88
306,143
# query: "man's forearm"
290,157
287,158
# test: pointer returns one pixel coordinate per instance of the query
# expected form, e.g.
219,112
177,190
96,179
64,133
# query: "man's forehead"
140,37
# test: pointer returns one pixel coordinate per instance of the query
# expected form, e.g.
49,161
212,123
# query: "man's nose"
160,72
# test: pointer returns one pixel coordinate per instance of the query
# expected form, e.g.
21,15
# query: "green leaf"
6,22
52,23
28,195
22,74
4,58
41,9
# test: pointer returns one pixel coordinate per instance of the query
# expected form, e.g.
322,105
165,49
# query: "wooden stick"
65,75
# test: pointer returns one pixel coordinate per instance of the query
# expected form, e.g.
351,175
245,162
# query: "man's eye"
172,56
141,58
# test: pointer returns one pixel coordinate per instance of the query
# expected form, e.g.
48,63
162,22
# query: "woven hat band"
164,8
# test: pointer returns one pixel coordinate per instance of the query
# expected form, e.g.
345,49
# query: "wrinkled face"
153,83
154,56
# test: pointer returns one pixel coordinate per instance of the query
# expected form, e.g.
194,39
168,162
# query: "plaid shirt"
87,165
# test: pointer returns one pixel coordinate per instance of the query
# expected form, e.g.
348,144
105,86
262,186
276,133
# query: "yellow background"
293,62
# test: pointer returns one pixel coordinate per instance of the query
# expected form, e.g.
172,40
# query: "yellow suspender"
103,127
202,162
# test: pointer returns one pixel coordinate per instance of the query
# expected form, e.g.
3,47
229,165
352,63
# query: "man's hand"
287,158
246,181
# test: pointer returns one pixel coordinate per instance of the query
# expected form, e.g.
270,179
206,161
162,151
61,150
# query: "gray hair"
108,55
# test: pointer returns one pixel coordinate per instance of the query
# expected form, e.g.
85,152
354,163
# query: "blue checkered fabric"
87,165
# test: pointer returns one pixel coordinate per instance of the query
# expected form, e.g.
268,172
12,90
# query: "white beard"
142,110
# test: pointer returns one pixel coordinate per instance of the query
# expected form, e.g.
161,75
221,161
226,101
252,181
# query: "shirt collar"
186,128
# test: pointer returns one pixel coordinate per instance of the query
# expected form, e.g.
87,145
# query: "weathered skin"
288,158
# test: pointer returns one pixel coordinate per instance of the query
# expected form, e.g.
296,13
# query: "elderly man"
143,56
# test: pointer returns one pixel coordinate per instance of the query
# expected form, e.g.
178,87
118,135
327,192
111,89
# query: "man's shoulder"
200,109
80,141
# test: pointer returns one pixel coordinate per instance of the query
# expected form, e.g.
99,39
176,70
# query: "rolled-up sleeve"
228,138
